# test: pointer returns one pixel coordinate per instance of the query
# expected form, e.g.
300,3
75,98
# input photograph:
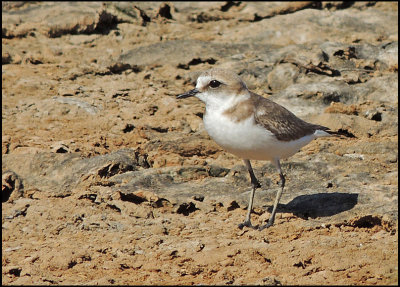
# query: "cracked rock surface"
108,179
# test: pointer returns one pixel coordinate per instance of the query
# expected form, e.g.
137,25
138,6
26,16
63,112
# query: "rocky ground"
107,178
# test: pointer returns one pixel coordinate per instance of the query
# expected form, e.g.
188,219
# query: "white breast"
248,140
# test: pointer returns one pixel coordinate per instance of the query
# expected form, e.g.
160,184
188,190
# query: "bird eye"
214,84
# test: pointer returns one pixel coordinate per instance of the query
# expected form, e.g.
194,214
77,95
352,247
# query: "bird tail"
322,131
341,133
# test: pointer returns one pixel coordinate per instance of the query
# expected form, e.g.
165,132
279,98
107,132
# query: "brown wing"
281,122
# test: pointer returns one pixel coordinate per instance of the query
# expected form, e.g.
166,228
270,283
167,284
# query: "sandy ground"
82,82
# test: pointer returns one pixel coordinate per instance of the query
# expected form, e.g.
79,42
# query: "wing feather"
280,121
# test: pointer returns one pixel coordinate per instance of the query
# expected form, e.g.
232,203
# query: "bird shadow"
319,205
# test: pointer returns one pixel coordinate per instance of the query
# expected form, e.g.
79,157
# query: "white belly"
247,140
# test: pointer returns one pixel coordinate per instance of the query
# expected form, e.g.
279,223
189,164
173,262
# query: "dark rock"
186,208
218,171
11,186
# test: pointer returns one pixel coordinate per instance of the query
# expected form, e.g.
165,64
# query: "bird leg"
256,184
278,197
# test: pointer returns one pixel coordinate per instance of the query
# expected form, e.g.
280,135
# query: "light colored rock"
144,195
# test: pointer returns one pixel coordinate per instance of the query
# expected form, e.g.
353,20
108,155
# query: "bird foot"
269,224
246,223
259,228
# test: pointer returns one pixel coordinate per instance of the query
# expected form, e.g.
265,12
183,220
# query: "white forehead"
203,81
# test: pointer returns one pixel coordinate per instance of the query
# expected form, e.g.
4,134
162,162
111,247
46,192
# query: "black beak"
191,93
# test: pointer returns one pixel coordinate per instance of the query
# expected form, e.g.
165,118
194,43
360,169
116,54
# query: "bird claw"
247,224
259,228
269,224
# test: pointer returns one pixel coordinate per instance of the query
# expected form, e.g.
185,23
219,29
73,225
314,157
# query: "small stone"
6,58
217,171
354,155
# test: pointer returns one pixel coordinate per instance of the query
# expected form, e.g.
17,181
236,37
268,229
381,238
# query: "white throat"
221,102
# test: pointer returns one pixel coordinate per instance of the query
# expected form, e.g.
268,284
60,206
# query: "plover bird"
251,127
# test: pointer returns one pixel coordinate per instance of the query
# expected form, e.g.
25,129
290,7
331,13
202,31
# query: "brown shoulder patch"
240,111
